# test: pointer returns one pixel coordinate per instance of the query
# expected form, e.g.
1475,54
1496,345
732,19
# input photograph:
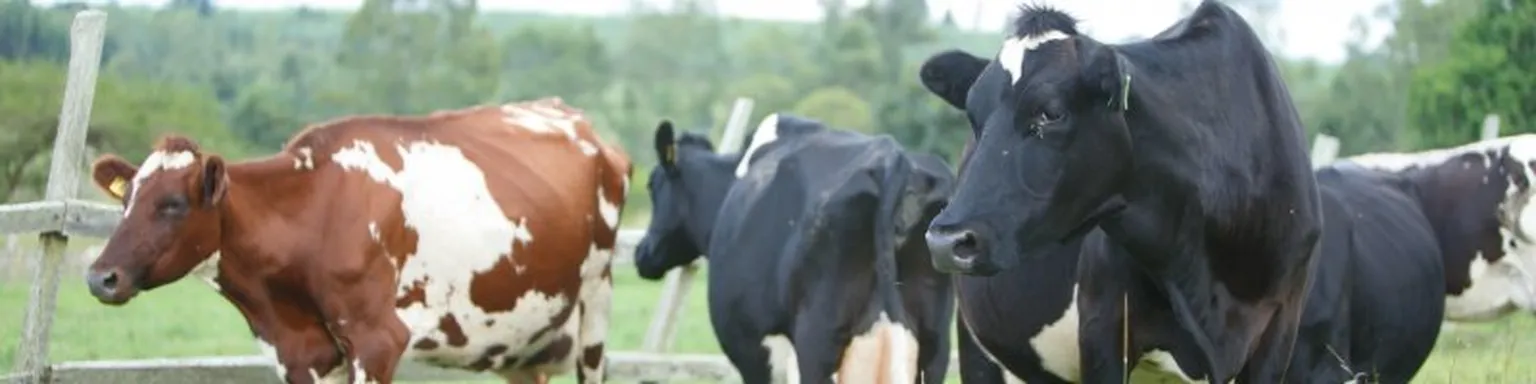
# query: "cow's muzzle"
110,286
958,251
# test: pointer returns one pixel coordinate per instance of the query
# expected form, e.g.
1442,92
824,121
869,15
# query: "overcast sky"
1313,28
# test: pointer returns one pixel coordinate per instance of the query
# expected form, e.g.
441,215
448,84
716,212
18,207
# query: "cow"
1372,311
477,238
1478,197
815,250
1190,188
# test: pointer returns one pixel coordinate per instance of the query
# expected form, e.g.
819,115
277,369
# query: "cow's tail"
887,351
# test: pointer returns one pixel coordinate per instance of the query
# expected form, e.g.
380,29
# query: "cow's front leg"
361,317
1100,336
374,346
303,356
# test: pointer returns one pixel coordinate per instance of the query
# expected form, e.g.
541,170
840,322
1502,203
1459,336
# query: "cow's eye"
171,206
1047,117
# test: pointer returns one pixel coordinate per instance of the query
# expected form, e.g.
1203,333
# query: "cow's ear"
214,182
111,174
666,145
949,75
1105,73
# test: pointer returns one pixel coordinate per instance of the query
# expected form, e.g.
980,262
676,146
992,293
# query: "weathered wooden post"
659,336
1324,149
1491,126
86,36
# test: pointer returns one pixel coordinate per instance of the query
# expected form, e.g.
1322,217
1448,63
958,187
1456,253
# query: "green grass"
187,319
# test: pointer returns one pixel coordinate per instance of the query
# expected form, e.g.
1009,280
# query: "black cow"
1371,309
1184,149
1478,198
817,239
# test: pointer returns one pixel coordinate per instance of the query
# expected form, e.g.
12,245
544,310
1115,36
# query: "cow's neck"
717,174
263,212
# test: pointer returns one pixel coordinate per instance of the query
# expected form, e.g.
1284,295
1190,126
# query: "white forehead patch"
1011,56
767,132
157,161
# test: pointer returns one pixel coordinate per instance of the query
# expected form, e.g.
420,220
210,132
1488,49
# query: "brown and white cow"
477,238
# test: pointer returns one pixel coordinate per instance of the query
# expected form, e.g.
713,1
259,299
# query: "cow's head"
1053,147
685,188
171,218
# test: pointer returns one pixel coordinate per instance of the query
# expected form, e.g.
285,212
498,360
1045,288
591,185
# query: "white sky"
1313,28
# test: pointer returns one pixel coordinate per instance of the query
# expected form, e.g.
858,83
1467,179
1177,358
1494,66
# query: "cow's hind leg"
594,311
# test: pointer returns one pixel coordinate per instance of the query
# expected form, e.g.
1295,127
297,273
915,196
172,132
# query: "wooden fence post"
1324,150
658,338
86,36
1491,126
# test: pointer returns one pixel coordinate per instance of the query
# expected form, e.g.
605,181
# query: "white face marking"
767,132
1056,344
157,161
1011,56
305,159
887,339
208,271
607,209
373,231
455,242
783,362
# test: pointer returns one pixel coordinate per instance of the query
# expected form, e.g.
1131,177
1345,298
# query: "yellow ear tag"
672,153
118,187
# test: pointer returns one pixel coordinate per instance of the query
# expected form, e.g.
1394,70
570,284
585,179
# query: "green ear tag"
1125,93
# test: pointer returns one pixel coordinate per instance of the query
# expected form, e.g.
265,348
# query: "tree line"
242,81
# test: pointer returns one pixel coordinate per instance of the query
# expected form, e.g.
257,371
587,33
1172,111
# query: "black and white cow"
1373,310
1185,150
1478,197
815,238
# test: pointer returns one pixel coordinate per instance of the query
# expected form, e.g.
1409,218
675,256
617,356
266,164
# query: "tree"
837,107
1491,69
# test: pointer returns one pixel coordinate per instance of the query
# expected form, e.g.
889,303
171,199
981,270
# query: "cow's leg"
974,365
747,354
360,314
595,308
817,350
1270,360
374,349
1102,289
1272,357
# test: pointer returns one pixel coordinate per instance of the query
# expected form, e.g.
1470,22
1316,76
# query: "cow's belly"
1058,349
1496,290
460,334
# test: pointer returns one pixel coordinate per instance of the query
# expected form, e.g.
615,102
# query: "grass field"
187,319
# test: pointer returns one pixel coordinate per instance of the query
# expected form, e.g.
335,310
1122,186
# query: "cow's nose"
103,284
954,251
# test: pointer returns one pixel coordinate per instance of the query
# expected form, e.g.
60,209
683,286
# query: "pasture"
187,319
